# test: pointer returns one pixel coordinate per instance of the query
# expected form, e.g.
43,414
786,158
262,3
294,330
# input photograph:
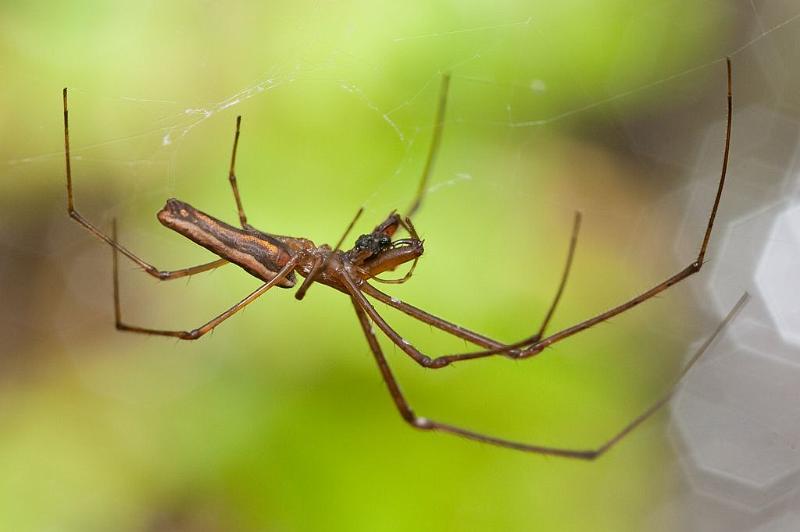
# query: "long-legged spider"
275,259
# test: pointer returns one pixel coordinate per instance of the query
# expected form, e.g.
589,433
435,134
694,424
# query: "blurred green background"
279,420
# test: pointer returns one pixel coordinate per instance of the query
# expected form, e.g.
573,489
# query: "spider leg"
427,170
364,305
583,454
406,346
573,242
692,268
426,317
232,175
533,349
163,275
316,269
433,150
321,264
471,336
205,328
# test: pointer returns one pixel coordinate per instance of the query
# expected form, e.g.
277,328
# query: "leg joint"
437,363
194,334
421,423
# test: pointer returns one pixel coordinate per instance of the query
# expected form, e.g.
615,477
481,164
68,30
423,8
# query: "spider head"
380,239
376,252
396,253
369,246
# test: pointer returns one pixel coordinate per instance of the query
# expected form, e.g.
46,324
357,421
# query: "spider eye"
384,242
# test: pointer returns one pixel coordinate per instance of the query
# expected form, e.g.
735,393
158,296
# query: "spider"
277,260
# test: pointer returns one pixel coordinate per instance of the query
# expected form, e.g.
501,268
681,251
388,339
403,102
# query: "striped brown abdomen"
260,255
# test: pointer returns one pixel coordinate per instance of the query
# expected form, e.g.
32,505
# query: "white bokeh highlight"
743,443
738,415
778,275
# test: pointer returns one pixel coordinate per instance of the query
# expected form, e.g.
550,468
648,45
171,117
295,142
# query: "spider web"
171,129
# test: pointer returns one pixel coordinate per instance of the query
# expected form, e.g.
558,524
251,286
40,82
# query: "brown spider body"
264,255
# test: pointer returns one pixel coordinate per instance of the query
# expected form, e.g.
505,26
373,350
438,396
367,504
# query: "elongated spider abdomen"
259,254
